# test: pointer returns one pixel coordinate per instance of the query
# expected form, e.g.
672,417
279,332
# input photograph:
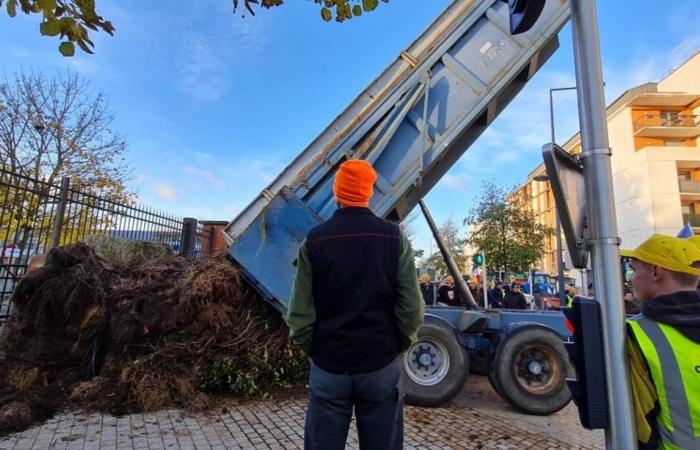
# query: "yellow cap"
671,253
695,239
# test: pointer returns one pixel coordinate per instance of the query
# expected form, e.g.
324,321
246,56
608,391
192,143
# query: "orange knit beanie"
353,183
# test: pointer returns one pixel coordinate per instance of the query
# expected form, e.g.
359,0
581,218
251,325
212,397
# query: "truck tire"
435,367
529,368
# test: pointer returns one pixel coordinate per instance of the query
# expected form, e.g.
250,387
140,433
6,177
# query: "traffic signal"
478,259
524,14
586,353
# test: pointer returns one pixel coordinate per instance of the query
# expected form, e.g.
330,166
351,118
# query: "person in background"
428,289
515,299
497,296
570,293
664,343
539,295
630,305
447,293
477,293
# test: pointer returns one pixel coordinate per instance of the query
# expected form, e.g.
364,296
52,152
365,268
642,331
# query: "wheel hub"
537,370
427,362
425,358
534,367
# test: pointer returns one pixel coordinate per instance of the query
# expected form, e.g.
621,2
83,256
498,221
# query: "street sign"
565,175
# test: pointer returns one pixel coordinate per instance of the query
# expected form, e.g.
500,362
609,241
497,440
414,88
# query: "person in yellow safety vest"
570,292
664,343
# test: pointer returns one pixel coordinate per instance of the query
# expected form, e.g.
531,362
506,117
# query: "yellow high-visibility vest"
674,363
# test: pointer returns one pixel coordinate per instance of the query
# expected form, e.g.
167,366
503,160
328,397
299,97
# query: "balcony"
693,219
667,125
689,186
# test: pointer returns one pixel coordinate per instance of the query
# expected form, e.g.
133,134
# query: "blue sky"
213,105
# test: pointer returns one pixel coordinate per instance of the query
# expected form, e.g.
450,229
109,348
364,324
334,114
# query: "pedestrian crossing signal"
478,259
586,353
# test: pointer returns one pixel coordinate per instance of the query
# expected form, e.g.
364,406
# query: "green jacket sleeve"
409,304
301,314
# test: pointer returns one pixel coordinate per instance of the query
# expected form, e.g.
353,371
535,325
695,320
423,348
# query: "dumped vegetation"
169,332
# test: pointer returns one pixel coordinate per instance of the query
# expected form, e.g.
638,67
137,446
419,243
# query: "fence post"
58,223
189,236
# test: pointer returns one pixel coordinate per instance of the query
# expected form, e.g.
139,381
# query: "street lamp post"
560,260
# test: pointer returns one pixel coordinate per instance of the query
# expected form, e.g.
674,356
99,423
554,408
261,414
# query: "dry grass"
169,332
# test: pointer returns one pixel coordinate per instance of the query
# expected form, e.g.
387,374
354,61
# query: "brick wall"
218,242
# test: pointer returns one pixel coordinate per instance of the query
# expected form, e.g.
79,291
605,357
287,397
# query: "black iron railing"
36,216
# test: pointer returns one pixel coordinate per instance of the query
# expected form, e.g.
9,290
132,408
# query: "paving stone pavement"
476,419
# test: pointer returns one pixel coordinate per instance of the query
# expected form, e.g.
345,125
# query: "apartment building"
654,132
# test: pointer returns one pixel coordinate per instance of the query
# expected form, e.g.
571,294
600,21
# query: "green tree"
503,226
73,20
451,236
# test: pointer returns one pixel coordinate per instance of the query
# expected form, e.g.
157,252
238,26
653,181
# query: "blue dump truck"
413,123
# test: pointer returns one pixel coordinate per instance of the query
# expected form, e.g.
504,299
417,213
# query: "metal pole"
60,212
557,226
484,273
460,284
604,241
560,261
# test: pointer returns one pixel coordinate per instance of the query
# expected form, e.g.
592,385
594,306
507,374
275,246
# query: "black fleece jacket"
681,310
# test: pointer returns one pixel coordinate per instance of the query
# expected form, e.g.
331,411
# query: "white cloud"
204,174
206,62
165,191
648,67
201,70
458,182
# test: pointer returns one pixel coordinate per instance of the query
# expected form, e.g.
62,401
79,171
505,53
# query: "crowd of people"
444,293
501,295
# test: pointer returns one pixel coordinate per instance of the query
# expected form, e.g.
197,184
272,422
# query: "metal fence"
36,216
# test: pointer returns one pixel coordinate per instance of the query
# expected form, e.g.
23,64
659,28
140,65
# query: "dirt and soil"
169,332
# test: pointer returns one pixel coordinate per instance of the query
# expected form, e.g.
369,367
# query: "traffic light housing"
524,14
478,259
586,353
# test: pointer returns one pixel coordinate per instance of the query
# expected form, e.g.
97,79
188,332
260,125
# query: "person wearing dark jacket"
515,298
630,306
427,290
664,342
447,293
355,306
497,296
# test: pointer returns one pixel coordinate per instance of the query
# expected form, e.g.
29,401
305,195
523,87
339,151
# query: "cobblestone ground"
476,419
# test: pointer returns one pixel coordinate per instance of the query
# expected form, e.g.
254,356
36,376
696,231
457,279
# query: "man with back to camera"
664,343
355,307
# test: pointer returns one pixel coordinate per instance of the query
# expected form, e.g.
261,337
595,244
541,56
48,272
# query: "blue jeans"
378,401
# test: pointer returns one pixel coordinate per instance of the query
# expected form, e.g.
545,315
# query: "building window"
683,175
669,117
688,209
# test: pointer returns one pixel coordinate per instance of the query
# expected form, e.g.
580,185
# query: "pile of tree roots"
171,332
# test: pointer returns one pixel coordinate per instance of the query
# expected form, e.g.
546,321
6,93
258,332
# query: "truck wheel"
529,369
436,366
